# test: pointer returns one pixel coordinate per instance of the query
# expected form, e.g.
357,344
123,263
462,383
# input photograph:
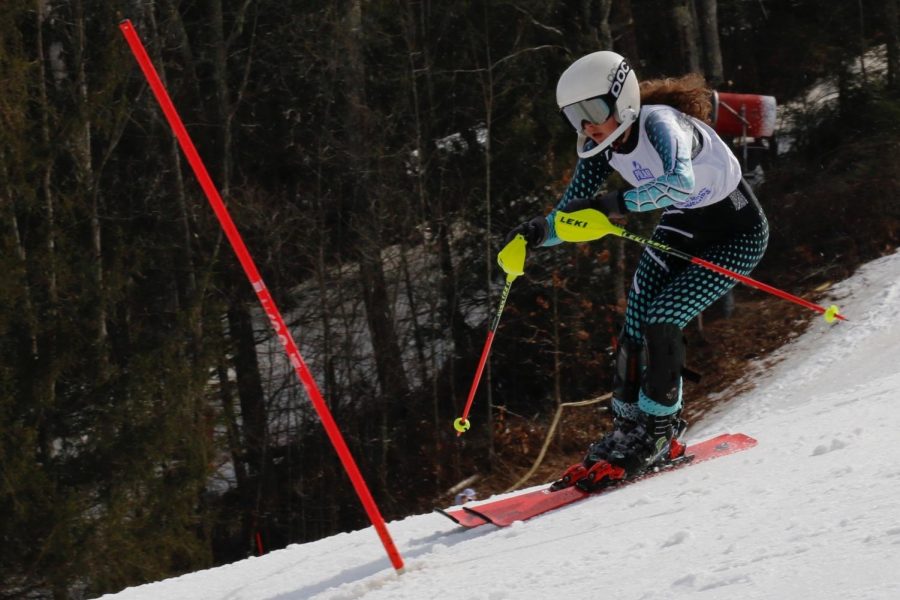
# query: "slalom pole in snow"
590,224
265,298
512,260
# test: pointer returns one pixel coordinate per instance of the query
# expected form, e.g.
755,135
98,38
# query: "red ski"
505,511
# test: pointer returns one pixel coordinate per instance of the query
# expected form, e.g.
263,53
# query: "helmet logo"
618,79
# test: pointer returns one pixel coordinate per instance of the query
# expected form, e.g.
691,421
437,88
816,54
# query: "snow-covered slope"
812,512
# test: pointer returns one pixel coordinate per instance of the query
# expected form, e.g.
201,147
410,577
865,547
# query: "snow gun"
512,260
590,224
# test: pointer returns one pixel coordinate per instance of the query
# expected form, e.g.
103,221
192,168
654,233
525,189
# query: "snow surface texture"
812,512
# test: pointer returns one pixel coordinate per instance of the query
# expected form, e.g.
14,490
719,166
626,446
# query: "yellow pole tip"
461,425
831,314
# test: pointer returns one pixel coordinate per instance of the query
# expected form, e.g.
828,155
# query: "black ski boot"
631,449
635,447
639,441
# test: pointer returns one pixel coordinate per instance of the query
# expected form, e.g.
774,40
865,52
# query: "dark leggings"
732,233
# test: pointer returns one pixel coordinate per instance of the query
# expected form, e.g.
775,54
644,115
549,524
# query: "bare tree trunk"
419,65
184,45
21,253
489,260
862,44
181,197
223,99
388,361
88,188
232,427
712,48
45,377
326,310
410,291
625,35
254,417
249,385
683,20
394,387
845,84
596,33
892,24
251,394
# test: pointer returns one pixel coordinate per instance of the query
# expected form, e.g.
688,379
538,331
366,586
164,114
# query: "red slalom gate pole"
265,298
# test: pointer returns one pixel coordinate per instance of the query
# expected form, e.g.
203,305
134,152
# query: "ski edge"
447,514
474,511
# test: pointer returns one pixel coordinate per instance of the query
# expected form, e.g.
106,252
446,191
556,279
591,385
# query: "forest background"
373,154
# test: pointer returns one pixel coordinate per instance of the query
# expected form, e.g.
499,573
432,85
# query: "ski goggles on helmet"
594,110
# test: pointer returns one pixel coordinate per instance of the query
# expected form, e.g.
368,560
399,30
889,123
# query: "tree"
712,49
374,155
892,28
684,20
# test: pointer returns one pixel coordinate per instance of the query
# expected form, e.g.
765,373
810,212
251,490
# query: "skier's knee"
664,346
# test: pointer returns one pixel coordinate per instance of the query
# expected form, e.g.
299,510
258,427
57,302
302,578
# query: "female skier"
656,135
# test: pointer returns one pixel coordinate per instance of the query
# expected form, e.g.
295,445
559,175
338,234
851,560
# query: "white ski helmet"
594,87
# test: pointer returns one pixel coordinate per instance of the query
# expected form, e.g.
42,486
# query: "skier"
657,136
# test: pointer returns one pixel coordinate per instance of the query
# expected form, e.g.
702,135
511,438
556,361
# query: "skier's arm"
674,143
590,173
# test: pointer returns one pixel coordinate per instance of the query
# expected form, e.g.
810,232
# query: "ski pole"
591,224
512,260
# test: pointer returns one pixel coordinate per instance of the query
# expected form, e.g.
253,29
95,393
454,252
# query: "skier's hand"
534,232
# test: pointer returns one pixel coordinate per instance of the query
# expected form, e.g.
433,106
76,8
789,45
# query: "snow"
812,512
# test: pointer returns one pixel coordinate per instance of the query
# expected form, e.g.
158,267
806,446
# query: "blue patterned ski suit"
678,164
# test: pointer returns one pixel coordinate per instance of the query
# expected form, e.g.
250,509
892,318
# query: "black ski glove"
534,232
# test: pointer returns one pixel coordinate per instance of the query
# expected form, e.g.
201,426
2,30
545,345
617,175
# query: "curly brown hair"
688,93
